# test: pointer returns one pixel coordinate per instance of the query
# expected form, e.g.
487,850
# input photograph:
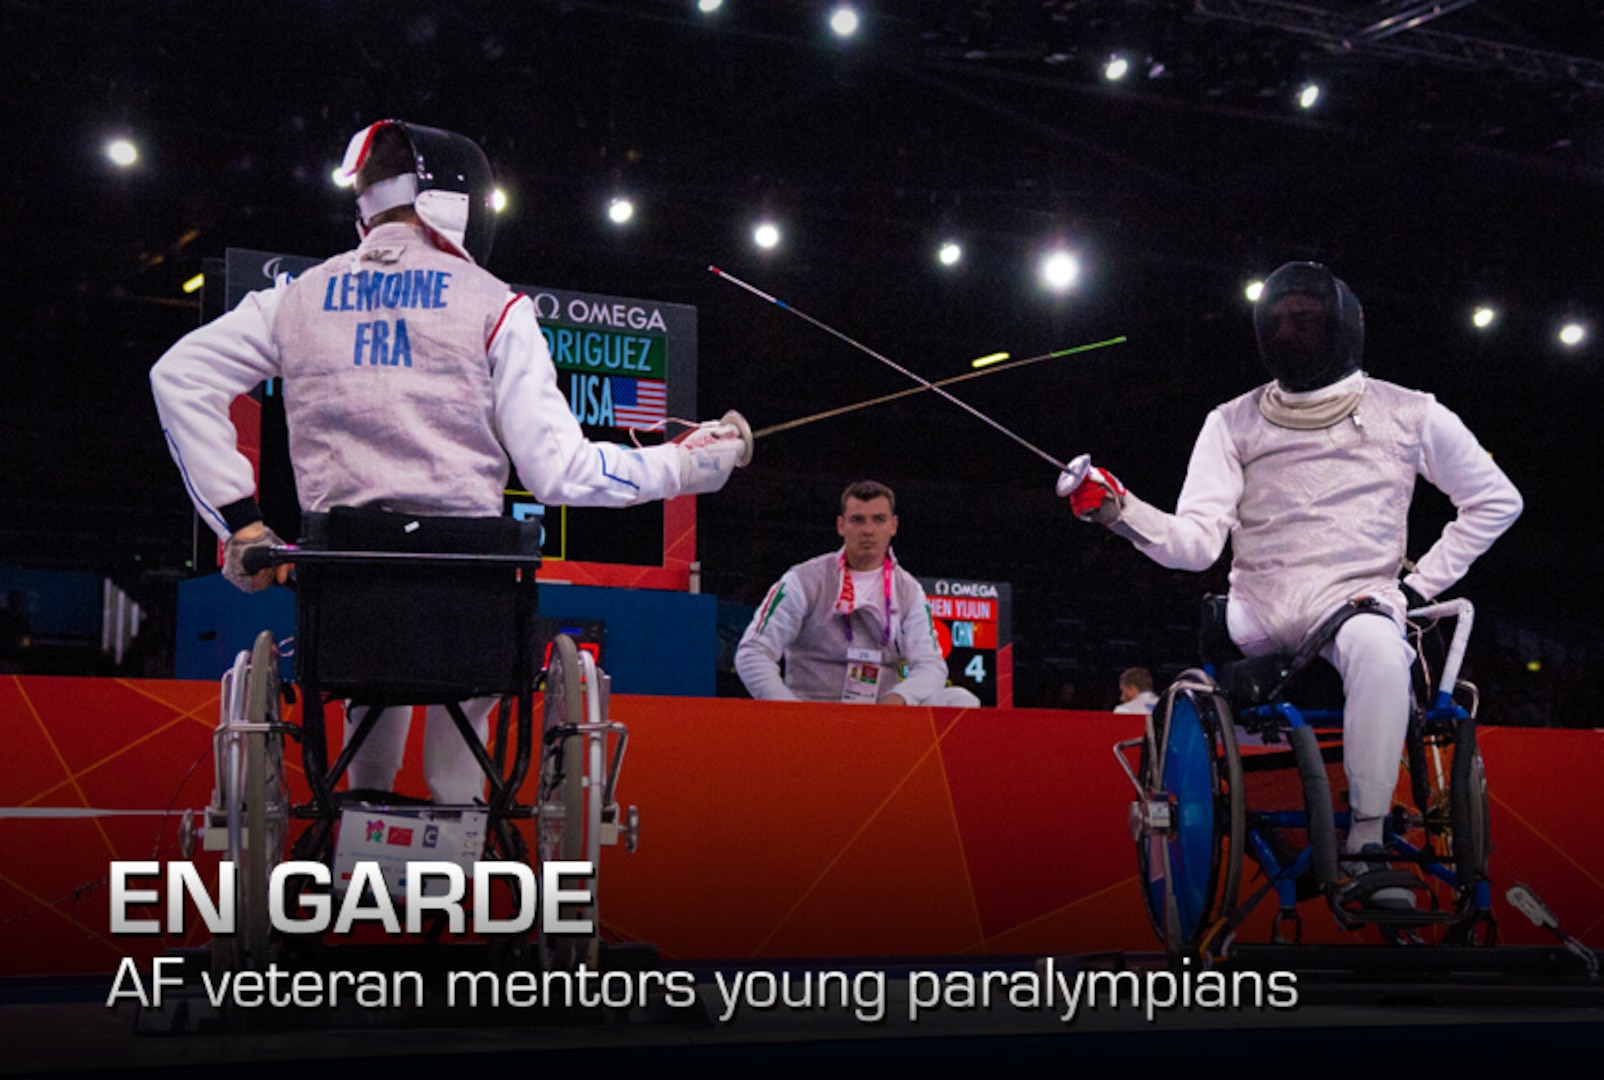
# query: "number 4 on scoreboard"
976,669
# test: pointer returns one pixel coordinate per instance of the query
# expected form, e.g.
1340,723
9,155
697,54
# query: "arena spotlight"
707,7
844,21
1060,270
950,253
1253,290
766,235
1116,68
341,178
1572,334
620,210
498,201
1308,94
1483,316
122,152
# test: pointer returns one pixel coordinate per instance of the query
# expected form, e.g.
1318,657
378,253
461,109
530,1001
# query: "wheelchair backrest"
424,631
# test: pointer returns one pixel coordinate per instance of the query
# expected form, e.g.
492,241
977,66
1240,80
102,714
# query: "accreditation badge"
863,677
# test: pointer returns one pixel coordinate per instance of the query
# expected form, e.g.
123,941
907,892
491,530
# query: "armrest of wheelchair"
259,559
255,560
323,557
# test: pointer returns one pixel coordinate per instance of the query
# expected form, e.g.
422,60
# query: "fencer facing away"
414,380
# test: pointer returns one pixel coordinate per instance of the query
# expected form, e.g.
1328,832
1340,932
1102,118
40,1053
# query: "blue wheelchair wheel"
1189,828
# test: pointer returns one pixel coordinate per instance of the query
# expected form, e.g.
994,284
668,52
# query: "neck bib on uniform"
1307,412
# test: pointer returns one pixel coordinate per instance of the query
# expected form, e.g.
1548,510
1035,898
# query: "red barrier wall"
769,830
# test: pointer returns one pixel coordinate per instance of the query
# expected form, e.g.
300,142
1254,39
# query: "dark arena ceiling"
1456,156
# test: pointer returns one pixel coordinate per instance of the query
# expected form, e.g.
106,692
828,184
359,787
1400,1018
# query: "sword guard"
1074,473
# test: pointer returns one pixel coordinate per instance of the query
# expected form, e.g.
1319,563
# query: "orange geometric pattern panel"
769,830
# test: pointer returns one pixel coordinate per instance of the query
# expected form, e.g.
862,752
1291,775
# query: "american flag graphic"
639,403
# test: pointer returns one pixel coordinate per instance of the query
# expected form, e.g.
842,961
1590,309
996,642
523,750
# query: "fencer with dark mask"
1311,476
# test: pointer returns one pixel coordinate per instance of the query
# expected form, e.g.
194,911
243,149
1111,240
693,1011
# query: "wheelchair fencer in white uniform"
414,381
1310,478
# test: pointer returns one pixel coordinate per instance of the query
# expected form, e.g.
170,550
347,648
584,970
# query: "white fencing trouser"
956,697
1374,660
449,766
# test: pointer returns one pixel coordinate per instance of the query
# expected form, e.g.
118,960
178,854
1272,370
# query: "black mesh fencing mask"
1310,327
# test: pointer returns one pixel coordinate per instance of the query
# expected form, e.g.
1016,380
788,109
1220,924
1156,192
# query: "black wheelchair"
398,610
1236,765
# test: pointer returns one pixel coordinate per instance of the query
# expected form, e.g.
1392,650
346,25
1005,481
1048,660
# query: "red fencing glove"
1094,494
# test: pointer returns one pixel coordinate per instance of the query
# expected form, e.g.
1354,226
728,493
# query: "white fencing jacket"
411,377
798,622
1316,517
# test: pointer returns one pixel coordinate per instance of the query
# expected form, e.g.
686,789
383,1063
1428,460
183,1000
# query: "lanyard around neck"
847,601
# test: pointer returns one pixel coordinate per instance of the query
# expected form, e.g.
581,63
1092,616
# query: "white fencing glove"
712,450
1094,494
254,535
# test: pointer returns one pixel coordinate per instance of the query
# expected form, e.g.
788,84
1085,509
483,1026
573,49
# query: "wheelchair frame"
575,812
1192,827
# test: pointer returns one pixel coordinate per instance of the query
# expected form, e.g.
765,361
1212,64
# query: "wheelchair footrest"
1353,903
1362,888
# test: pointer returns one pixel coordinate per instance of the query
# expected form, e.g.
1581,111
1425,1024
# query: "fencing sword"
1079,465
883,398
